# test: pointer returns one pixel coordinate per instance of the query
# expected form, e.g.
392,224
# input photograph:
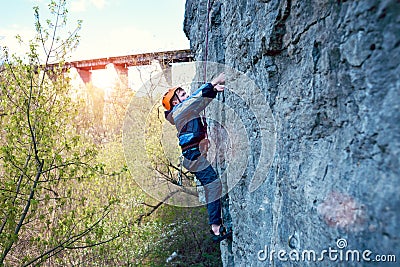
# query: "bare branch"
139,220
67,243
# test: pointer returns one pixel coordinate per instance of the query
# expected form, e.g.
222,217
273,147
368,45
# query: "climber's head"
173,97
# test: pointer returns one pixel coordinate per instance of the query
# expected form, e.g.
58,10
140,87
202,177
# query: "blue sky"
110,27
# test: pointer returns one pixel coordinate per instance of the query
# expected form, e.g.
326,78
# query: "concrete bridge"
121,63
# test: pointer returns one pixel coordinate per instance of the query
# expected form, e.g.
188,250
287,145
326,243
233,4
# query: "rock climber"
183,111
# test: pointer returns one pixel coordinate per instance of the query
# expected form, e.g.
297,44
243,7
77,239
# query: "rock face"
330,73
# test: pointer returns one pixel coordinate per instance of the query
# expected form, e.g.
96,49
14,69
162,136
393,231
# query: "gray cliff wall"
330,72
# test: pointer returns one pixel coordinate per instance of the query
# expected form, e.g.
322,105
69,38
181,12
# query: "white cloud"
124,41
98,3
83,5
10,41
78,6
119,41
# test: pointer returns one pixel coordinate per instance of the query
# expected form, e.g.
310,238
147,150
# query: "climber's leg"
212,187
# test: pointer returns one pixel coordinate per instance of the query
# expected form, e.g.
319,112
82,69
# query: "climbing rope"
206,33
206,54
203,117
209,6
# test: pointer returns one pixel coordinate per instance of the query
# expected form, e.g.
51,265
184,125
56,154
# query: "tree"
58,202
42,159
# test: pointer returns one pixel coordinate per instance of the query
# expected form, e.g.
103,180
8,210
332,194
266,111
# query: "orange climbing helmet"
166,100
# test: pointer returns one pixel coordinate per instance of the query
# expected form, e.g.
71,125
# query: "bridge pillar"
85,75
122,72
167,71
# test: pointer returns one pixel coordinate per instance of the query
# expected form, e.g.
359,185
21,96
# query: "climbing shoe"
223,234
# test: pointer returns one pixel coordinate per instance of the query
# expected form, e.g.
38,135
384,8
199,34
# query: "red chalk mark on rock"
342,211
